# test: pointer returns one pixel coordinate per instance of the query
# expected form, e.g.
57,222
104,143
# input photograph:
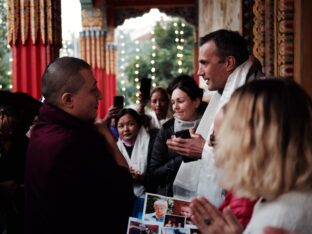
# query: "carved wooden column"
92,50
111,66
35,38
274,36
285,38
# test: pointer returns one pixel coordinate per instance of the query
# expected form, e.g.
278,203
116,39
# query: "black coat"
164,163
153,134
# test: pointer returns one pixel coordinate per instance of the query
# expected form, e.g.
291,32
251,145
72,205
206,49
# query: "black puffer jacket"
164,163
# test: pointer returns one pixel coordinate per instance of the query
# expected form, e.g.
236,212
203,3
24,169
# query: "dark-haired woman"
135,143
159,104
187,106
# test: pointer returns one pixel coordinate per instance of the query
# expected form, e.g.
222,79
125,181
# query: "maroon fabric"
72,183
240,206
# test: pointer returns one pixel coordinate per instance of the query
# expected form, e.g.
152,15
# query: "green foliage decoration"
5,53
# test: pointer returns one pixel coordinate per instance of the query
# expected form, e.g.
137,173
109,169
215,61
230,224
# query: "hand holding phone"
183,134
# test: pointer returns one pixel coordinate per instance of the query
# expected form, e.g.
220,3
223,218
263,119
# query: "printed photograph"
182,208
174,221
194,231
155,208
172,230
136,226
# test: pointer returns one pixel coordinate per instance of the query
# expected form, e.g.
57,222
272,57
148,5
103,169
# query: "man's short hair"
62,76
228,43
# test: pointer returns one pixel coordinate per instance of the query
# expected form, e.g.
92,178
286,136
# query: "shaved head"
62,76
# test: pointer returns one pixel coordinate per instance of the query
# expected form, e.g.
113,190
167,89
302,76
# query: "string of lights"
179,32
153,59
122,62
137,69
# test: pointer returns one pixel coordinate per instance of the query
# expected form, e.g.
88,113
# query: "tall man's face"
212,68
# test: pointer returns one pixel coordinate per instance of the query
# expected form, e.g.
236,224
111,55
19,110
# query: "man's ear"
67,100
230,63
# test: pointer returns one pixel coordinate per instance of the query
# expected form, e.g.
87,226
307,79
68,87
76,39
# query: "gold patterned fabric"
34,20
92,47
39,18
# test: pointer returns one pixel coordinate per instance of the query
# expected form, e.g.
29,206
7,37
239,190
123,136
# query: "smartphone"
145,88
119,101
183,134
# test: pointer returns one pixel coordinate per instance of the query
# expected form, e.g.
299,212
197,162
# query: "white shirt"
291,211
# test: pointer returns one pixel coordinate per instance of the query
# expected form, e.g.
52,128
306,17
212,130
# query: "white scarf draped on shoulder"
138,158
199,177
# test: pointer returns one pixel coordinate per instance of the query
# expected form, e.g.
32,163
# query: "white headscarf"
155,122
138,158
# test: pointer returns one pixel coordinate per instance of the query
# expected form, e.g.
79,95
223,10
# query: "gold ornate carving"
258,30
285,38
92,18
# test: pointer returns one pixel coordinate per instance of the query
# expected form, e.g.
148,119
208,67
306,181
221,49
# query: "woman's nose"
175,107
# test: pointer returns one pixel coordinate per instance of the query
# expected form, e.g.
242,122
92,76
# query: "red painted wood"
28,65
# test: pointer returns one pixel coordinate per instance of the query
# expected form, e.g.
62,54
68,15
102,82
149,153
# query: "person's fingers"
210,209
232,221
192,132
197,217
274,230
176,142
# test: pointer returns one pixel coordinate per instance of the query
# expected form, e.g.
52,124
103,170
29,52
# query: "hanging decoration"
123,61
31,17
153,59
137,69
179,40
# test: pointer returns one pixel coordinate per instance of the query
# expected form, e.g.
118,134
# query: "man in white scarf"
224,65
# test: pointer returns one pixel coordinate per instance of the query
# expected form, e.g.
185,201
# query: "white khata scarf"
138,158
199,177
155,123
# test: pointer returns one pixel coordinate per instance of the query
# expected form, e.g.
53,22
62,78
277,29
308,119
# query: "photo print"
136,226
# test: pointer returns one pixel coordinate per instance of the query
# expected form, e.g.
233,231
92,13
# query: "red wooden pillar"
110,74
92,50
35,38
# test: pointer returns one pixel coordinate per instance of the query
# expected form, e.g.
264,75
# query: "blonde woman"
264,150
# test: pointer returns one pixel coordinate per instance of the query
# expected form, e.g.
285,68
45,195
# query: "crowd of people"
244,159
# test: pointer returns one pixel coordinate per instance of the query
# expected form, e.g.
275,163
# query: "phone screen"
119,101
183,134
145,88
